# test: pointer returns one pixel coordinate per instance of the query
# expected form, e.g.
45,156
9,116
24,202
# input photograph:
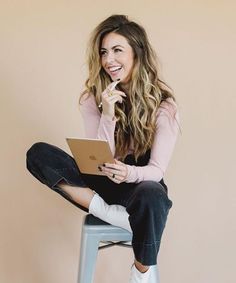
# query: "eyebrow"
113,47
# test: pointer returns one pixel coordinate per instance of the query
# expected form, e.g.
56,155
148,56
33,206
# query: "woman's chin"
114,79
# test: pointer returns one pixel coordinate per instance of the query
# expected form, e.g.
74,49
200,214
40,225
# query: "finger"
119,92
114,98
116,180
110,88
118,175
110,171
110,175
111,95
115,175
113,85
119,166
124,169
118,161
113,166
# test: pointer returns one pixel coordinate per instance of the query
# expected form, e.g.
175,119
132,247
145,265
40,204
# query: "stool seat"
96,235
105,231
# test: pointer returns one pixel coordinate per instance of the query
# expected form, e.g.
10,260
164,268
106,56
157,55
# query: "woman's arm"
97,125
163,146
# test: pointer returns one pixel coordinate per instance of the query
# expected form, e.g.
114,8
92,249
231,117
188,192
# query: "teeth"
114,69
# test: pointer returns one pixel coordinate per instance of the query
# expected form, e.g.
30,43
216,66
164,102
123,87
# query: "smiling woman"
139,119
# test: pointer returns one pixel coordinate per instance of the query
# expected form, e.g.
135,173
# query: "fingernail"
104,164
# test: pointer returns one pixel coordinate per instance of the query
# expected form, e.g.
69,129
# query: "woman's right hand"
109,97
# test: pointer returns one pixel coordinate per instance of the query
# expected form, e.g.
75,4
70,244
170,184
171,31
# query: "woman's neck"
124,88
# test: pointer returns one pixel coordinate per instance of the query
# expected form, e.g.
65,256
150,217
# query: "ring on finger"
110,93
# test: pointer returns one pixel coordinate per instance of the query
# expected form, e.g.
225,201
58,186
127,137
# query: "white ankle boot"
154,274
113,214
139,277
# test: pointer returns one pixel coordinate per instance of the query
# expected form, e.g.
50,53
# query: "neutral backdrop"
42,72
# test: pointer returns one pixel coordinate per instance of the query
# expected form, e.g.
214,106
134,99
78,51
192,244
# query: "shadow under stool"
97,234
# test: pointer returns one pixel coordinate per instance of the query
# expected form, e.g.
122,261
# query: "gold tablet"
90,153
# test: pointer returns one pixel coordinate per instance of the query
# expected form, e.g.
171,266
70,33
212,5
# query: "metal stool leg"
88,257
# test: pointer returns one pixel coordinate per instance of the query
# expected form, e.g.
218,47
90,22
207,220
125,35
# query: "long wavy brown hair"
136,118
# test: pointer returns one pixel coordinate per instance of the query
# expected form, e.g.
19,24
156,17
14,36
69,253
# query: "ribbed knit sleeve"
167,128
97,125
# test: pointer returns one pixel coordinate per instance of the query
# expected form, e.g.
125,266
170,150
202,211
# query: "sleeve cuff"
108,119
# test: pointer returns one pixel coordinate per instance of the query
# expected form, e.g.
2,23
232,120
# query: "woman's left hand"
116,172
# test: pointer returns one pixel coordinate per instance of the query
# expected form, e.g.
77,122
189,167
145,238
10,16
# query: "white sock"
114,214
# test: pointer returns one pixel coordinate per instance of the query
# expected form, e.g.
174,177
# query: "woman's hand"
117,172
109,97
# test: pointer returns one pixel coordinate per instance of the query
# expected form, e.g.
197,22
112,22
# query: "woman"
126,103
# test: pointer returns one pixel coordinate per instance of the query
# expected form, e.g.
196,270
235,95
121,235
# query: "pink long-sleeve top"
98,126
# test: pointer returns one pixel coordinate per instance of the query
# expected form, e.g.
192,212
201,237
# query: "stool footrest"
109,244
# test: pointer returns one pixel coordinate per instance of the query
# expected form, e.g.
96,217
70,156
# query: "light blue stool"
94,233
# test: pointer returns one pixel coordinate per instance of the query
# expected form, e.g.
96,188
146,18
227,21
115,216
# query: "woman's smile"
114,71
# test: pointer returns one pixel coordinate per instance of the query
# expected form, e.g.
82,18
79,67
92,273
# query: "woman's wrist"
109,117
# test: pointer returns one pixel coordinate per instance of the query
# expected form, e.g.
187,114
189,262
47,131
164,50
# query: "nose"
110,57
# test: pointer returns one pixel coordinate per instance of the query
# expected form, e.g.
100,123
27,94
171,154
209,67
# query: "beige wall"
42,70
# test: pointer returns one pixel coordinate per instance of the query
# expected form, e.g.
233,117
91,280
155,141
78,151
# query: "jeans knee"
152,194
35,153
36,150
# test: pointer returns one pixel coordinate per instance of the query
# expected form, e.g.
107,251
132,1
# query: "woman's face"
117,57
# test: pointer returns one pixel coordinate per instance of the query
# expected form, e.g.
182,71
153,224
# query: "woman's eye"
102,53
117,50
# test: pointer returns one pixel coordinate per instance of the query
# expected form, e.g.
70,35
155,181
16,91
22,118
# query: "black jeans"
146,202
